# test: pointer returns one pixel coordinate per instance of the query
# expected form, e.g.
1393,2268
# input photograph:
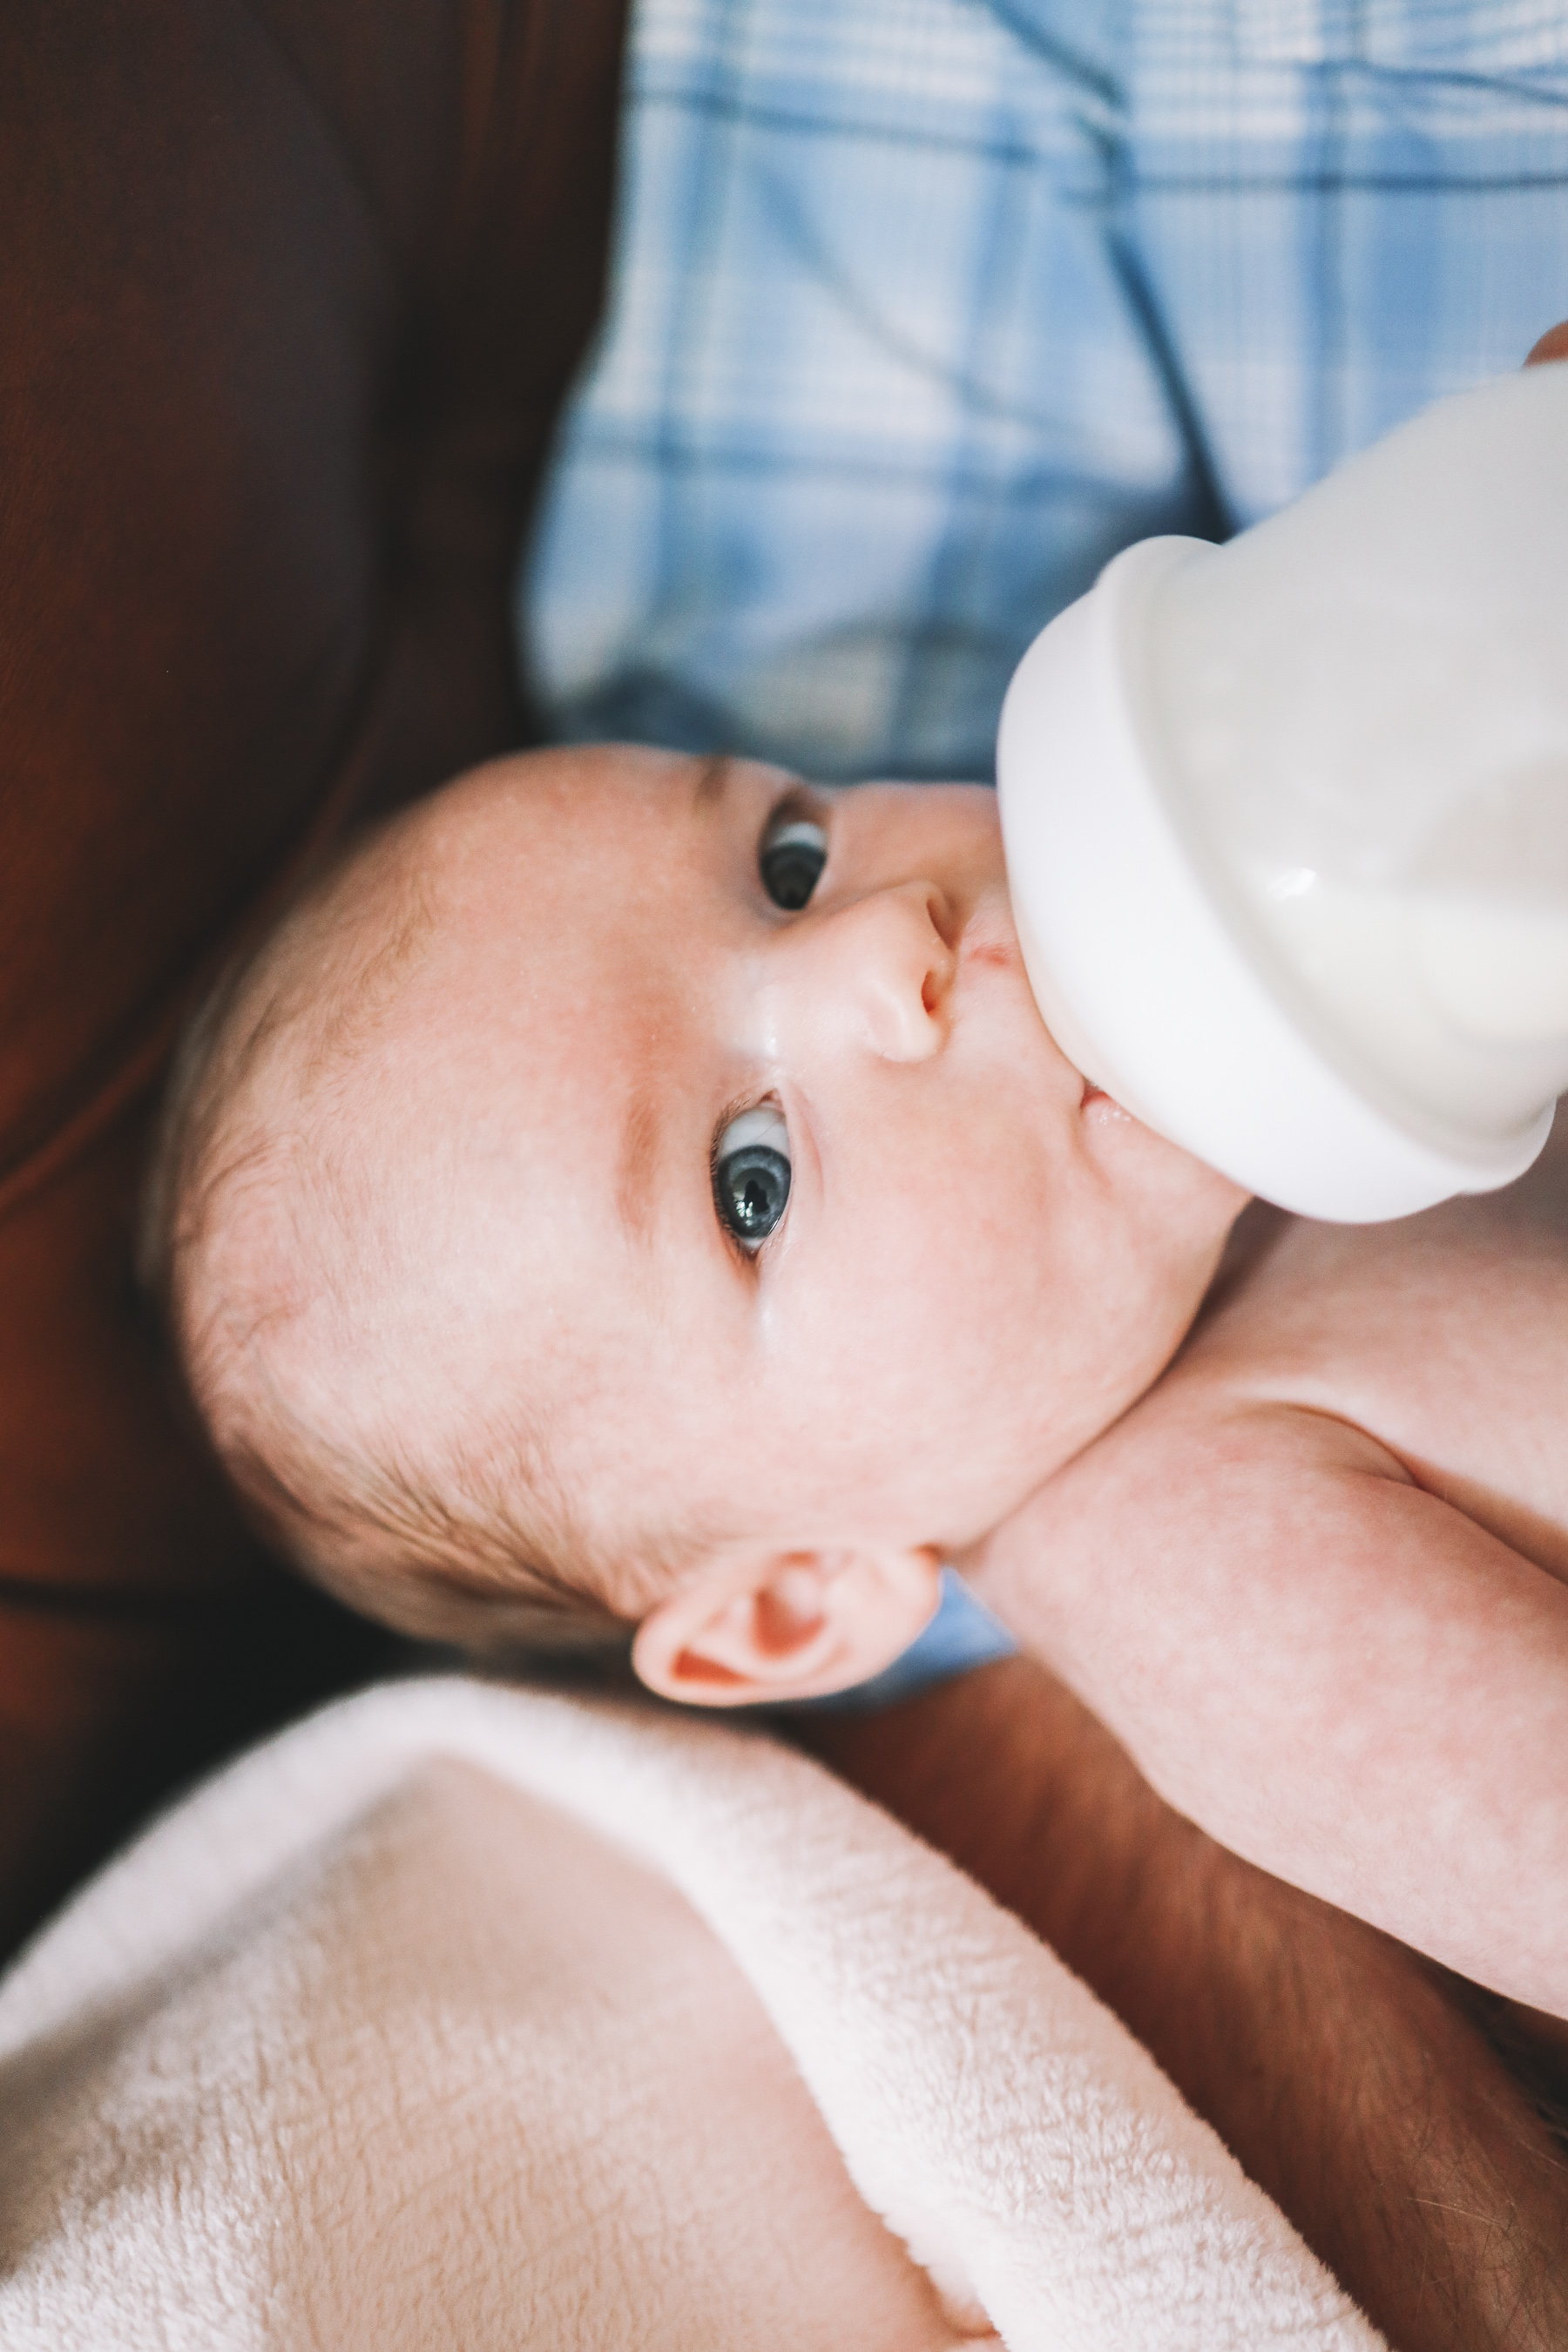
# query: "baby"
641,1190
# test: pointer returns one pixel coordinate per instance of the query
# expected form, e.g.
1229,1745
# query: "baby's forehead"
493,987
588,796
535,899
524,959
606,867
541,1030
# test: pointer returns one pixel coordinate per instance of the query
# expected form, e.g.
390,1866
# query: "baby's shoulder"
1479,1271
1444,1337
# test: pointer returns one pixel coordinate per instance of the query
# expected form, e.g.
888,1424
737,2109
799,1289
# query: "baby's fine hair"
472,1549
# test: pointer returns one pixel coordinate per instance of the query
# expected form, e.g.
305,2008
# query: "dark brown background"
289,293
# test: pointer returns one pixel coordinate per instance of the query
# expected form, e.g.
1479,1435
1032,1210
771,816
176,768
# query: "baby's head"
634,1189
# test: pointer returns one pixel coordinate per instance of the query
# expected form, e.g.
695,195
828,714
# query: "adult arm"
1348,2076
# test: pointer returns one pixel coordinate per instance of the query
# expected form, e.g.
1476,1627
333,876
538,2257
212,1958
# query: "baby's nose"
879,971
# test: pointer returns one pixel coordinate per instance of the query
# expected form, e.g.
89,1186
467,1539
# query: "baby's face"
738,1142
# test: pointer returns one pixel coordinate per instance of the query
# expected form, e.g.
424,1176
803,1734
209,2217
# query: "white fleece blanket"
469,2016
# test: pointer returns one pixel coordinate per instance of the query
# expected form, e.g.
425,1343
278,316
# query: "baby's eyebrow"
639,1158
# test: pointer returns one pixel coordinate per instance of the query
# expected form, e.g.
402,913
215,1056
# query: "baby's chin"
1125,1146
1173,1215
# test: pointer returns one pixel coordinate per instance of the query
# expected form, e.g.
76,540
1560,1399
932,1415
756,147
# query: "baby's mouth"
1100,1109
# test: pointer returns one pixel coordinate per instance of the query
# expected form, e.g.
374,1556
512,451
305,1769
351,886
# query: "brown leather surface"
288,296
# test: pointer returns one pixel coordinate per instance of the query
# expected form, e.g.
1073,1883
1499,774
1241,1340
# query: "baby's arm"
1333,1672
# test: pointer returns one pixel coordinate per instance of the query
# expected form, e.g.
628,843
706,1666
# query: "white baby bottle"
1287,820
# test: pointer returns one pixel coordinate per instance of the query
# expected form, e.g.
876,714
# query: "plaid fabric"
923,308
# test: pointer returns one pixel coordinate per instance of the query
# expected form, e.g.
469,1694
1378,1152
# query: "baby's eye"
750,1174
791,859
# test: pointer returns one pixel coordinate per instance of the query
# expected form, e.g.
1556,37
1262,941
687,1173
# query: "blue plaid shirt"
923,308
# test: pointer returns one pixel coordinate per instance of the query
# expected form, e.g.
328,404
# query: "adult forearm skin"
1344,2074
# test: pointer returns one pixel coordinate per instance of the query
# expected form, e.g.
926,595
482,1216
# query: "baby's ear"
770,1625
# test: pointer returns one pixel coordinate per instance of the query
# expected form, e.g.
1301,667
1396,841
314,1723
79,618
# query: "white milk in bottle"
1287,820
